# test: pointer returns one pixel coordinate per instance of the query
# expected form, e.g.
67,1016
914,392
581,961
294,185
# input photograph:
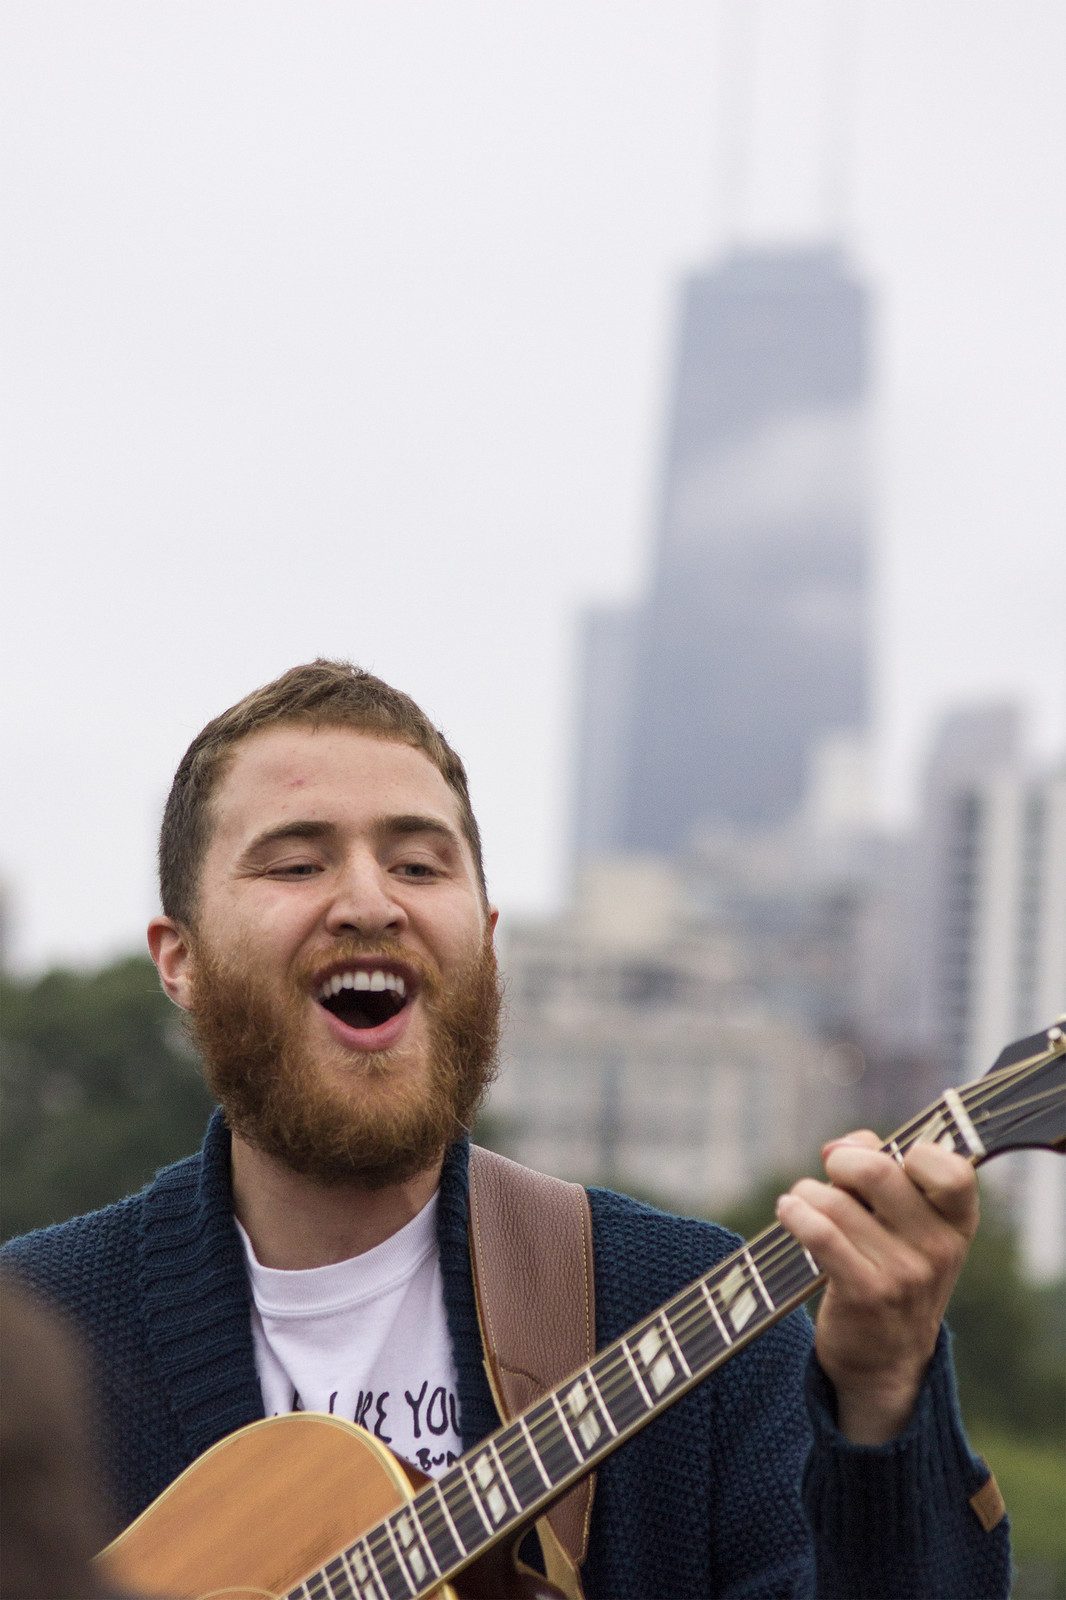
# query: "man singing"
327,932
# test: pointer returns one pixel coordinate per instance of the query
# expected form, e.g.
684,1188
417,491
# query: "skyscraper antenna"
736,106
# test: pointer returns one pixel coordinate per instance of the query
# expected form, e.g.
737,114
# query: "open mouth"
365,997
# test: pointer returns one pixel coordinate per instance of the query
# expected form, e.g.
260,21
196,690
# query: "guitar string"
782,1247
684,1320
612,1361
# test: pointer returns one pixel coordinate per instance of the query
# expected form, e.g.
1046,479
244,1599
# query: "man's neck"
294,1222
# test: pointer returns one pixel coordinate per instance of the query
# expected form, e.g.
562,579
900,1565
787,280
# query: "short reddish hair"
322,694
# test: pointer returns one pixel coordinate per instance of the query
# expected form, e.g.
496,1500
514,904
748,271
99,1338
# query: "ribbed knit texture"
705,1502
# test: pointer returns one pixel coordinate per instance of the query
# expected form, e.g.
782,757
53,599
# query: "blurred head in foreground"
50,1525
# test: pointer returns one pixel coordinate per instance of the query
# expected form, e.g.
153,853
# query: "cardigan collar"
197,1299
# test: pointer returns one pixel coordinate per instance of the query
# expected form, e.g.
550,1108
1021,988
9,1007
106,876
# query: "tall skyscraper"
704,703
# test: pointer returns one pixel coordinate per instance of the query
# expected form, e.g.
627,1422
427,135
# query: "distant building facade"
640,1053
701,704
989,926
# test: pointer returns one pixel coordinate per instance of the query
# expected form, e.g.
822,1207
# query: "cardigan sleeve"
894,1521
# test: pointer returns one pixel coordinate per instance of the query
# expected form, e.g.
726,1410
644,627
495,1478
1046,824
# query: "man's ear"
171,951
494,917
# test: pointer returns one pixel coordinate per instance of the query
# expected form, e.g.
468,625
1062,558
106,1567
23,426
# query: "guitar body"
258,1512
274,1502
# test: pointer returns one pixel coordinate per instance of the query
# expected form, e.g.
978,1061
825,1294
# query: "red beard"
274,1094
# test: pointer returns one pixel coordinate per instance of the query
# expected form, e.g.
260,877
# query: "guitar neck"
519,1470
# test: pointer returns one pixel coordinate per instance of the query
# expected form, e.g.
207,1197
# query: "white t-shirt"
365,1339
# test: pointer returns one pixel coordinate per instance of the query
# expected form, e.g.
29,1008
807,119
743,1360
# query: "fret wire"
400,1562
668,1325
613,1371
527,1478
378,1579
475,1497
348,1592
594,1386
347,1555
421,1512
566,1426
447,1517
715,1313
535,1453
464,1508
352,1580
423,1538
758,1280
648,1401
378,1562
554,1440
622,1375
494,1447
429,1500
420,1540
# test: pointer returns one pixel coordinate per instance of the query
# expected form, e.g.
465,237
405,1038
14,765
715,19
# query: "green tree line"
101,1087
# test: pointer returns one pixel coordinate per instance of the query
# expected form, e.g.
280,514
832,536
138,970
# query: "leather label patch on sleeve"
988,1504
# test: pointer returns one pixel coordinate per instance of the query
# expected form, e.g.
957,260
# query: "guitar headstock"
1020,1103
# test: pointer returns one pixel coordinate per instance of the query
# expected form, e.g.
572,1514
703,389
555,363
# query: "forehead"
337,775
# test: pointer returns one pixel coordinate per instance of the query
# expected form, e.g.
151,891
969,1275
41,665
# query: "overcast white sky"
345,327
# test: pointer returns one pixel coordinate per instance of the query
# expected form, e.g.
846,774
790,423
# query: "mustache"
353,948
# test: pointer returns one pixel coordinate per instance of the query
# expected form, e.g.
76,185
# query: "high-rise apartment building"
702,705
990,930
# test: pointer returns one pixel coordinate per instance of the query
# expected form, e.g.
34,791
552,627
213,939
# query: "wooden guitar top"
259,1511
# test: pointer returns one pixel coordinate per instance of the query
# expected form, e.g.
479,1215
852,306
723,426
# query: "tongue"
361,1008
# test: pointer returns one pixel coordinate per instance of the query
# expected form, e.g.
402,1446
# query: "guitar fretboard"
521,1468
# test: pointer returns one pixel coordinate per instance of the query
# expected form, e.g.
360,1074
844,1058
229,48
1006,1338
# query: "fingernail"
834,1144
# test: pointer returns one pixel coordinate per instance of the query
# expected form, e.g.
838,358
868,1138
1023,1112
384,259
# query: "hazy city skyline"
348,331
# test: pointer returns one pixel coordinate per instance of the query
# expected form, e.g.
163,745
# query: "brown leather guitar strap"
531,1249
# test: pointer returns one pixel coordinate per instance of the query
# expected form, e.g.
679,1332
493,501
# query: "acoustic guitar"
310,1507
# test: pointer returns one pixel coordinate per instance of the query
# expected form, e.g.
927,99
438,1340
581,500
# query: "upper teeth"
361,979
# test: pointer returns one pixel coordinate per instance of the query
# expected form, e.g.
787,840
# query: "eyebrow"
290,830
403,825
389,826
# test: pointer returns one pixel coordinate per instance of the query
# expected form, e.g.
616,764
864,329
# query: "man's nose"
364,902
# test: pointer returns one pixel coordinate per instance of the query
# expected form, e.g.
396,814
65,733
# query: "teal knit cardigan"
743,1490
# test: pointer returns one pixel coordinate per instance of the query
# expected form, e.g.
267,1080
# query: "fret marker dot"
483,1471
589,1429
496,1503
661,1373
416,1564
731,1285
649,1346
577,1400
743,1311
